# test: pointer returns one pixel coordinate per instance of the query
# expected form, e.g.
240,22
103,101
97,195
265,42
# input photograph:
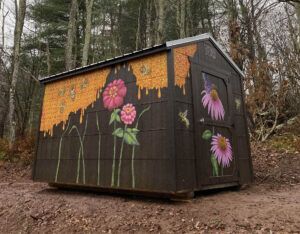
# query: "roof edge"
104,63
135,54
205,36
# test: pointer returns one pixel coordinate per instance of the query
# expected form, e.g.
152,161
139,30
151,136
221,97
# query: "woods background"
51,36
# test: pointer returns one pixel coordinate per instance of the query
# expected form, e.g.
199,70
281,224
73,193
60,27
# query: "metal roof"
157,48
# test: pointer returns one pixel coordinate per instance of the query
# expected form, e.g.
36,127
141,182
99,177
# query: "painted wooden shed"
167,119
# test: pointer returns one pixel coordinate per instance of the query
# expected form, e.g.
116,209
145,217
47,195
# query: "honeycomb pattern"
182,64
151,72
70,95
78,92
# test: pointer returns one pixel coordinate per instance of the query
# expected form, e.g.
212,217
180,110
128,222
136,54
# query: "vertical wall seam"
171,100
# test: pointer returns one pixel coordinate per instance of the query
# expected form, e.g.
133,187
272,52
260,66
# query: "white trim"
188,39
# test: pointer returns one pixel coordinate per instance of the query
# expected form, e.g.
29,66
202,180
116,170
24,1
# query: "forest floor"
270,204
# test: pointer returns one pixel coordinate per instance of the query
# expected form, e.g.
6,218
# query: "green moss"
285,143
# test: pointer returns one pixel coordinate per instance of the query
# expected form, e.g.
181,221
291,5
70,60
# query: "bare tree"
181,18
150,35
20,15
71,35
48,59
297,7
3,24
138,42
87,38
161,15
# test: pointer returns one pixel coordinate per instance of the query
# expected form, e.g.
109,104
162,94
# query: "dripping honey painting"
138,123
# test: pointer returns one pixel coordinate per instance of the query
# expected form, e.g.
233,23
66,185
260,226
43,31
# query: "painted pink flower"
113,95
215,106
222,150
128,114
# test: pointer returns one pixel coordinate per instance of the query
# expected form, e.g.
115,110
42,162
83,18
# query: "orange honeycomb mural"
151,72
182,64
78,92
70,95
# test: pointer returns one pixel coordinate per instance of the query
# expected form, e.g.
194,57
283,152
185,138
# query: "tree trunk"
149,25
4,108
3,33
234,33
118,37
21,10
87,37
297,8
188,31
248,25
48,59
112,35
71,35
76,46
161,14
232,20
138,31
182,19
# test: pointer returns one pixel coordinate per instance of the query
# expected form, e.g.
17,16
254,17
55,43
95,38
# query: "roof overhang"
201,37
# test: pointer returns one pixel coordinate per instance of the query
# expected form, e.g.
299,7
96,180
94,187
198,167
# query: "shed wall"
75,131
194,153
184,123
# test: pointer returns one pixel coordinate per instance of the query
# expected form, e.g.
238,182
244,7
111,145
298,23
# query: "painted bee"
62,107
183,117
84,83
61,92
72,93
237,103
145,70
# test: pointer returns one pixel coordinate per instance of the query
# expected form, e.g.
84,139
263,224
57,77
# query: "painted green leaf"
112,118
214,164
118,118
130,138
133,130
206,134
119,132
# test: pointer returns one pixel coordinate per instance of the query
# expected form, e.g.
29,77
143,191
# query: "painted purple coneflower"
215,106
212,100
222,150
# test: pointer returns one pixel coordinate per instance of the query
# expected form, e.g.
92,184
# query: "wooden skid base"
174,196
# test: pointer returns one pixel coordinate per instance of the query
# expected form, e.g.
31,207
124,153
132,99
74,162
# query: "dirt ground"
270,204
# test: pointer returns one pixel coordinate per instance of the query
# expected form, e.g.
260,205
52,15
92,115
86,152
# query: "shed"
167,119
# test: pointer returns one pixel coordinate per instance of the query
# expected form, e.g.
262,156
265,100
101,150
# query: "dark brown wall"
171,156
154,168
210,61
184,136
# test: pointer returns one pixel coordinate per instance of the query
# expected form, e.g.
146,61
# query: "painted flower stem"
133,148
78,167
132,167
81,152
82,149
121,155
99,147
59,151
114,159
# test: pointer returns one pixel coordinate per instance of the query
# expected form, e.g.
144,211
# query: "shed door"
214,128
